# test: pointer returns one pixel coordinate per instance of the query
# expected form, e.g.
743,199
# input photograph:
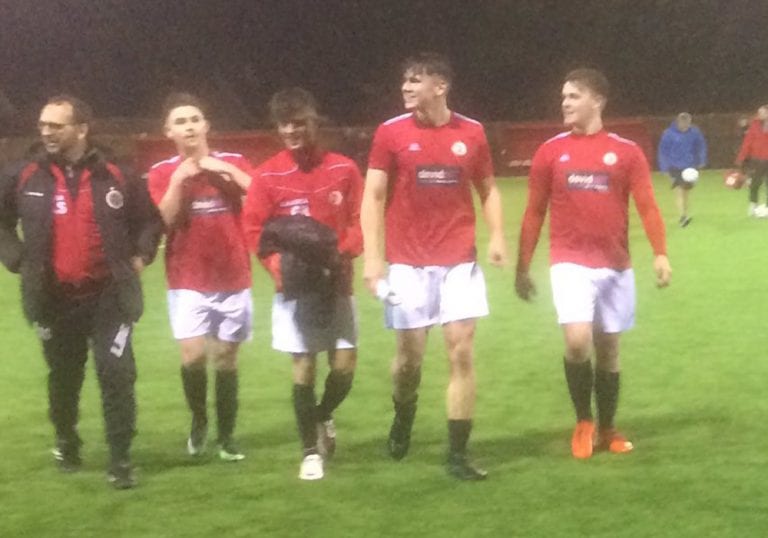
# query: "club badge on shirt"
115,198
459,148
610,158
335,197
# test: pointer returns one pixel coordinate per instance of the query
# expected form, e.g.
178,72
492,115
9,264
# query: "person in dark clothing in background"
89,229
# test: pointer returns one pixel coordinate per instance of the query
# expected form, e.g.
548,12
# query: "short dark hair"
431,63
287,104
81,111
593,79
177,99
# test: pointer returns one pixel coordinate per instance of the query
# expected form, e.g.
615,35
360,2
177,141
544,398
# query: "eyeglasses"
53,126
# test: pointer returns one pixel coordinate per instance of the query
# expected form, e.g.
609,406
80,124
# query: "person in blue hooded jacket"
682,146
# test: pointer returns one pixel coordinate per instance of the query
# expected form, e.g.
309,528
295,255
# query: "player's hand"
137,262
663,271
373,271
272,263
524,286
187,168
497,251
217,166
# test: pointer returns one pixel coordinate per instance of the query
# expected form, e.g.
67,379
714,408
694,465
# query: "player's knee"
193,352
608,363
344,361
462,362
406,368
346,367
408,357
192,357
409,354
577,352
225,361
228,365
304,377
406,372
303,370
578,348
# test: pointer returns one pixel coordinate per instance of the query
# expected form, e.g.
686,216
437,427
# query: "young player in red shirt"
304,179
753,157
199,194
585,176
418,195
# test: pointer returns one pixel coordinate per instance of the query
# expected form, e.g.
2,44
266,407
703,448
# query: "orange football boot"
583,439
611,440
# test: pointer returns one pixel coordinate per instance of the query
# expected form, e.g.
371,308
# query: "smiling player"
585,176
306,180
418,196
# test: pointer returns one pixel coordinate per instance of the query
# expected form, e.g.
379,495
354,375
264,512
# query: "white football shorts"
289,337
226,315
603,296
435,294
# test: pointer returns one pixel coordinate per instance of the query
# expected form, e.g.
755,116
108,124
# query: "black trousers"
75,324
758,171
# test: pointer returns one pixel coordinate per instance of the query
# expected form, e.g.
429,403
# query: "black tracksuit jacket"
129,225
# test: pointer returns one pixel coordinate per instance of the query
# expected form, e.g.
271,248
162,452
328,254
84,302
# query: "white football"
690,175
734,179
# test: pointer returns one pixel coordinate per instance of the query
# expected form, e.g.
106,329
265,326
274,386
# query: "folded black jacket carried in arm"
310,265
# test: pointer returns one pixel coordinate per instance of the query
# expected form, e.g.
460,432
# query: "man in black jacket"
88,231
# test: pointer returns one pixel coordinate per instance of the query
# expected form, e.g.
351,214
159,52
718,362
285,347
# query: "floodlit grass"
692,401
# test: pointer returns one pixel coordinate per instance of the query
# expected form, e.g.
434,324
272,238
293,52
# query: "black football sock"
195,381
406,409
306,418
226,403
579,378
337,386
607,396
405,387
458,435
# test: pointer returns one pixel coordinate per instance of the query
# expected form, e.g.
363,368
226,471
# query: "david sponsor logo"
296,206
208,206
438,175
588,181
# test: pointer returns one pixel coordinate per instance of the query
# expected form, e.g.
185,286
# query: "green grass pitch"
693,402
